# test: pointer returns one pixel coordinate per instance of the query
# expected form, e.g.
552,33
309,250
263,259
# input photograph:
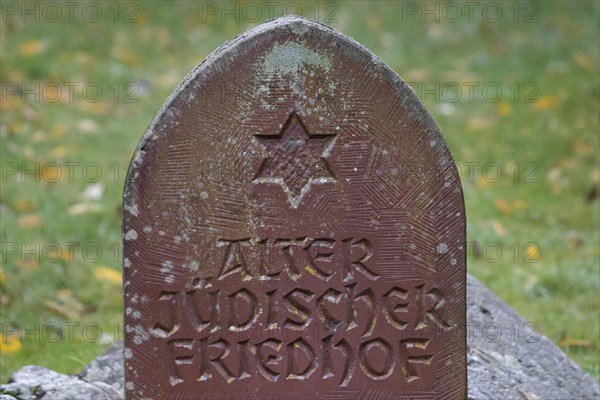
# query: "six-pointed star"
295,159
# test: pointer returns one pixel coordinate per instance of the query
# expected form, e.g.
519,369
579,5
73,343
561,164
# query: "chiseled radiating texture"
294,229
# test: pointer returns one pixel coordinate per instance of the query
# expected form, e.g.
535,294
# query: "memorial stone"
294,228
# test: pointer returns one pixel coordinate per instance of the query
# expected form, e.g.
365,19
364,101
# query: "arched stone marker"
294,228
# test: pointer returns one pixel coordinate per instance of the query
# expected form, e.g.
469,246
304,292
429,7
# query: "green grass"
558,135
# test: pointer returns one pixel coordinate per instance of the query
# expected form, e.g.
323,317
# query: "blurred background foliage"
78,91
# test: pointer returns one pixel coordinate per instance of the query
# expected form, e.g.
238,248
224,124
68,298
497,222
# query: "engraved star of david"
296,159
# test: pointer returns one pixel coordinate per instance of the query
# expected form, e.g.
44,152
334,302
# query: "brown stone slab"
294,228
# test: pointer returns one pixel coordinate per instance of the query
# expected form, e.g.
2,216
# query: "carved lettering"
264,363
408,369
377,368
433,311
176,347
294,370
301,310
218,361
291,249
365,250
195,315
271,310
393,306
328,369
266,260
318,252
236,323
244,364
347,303
329,322
234,260
367,296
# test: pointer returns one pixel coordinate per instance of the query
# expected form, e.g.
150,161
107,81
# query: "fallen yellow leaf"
9,345
482,183
500,229
141,19
503,206
51,173
15,127
31,47
519,204
2,277
546,103
125,56
68,307
568,163
97,107
53,252
58,130
53,93
373,22
24,205
67,255
583,61
532,252
39,136
107,274
574,342
59,152
504,108
28,221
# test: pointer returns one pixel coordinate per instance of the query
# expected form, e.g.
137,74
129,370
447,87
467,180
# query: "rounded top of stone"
294,20
291,19
297,25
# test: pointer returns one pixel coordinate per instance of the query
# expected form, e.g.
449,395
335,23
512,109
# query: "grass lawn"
516,95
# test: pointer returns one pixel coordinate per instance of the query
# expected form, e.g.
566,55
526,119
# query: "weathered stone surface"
106,369
39,383
294,228
495,372
511,365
